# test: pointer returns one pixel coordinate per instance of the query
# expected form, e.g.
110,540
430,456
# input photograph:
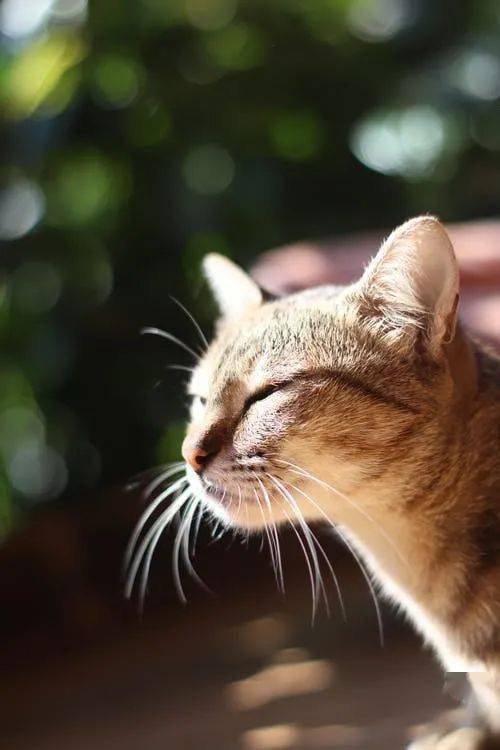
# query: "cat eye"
261,394
200,399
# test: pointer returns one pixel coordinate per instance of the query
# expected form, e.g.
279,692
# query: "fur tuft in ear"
412,283
233,289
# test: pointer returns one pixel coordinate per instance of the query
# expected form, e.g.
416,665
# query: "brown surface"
81,671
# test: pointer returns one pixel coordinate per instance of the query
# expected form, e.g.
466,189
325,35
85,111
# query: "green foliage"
140,136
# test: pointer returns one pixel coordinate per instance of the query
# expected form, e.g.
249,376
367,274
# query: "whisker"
184,368
178,544
142,476
146,515
190,513
170,471
358,560
325,557
192,319
201,511
149,330
304,473
307,561
308,537
267,534
151,537
280,578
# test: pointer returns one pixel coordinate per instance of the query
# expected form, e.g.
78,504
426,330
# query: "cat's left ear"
413,283
234,290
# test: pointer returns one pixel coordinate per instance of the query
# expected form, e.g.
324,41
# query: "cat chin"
245,519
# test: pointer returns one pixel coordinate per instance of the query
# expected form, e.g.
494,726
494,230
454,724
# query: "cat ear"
412,283
233,289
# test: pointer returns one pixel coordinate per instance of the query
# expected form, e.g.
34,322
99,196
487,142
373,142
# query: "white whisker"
358,560
184,368
307,561
266,534
274,531
149,330
197,524
190,514
324,555
146,515
304,473
178,542
151,537
309,538
170,471
193,321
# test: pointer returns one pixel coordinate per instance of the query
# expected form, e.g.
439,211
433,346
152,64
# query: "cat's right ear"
412,283
234,290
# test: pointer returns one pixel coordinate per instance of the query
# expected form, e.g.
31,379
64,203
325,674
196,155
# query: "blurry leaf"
237,47
208,169
116,79
165,13
210,14
148,124
85,186
37,70
297,135
35,287
62,94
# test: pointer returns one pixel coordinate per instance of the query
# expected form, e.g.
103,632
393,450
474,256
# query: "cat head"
301,402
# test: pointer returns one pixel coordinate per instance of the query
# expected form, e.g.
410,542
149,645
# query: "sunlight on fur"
369,409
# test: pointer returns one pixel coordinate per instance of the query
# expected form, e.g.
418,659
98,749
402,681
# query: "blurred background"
137,136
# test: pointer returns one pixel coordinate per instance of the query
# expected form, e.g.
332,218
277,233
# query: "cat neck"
430,537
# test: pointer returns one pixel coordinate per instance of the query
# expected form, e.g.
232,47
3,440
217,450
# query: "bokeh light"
380,20
297,135
208,169
409,143
238,46
137,142
35,287
74,11
476,73
37,70
149,123
38,472
21,18
22,205
210,14
117,80
84,187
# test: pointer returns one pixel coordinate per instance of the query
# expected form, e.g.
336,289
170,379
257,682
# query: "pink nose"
195,456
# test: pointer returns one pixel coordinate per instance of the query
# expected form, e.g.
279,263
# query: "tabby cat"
368,407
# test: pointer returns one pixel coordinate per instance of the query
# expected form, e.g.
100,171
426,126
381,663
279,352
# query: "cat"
368,407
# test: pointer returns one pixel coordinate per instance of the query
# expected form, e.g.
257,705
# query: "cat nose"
195,455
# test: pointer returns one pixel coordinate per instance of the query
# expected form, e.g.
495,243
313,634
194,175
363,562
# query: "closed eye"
261,394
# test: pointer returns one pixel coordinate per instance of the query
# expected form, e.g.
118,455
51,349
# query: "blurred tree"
139,135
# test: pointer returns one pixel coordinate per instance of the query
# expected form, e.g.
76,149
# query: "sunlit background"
137,136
